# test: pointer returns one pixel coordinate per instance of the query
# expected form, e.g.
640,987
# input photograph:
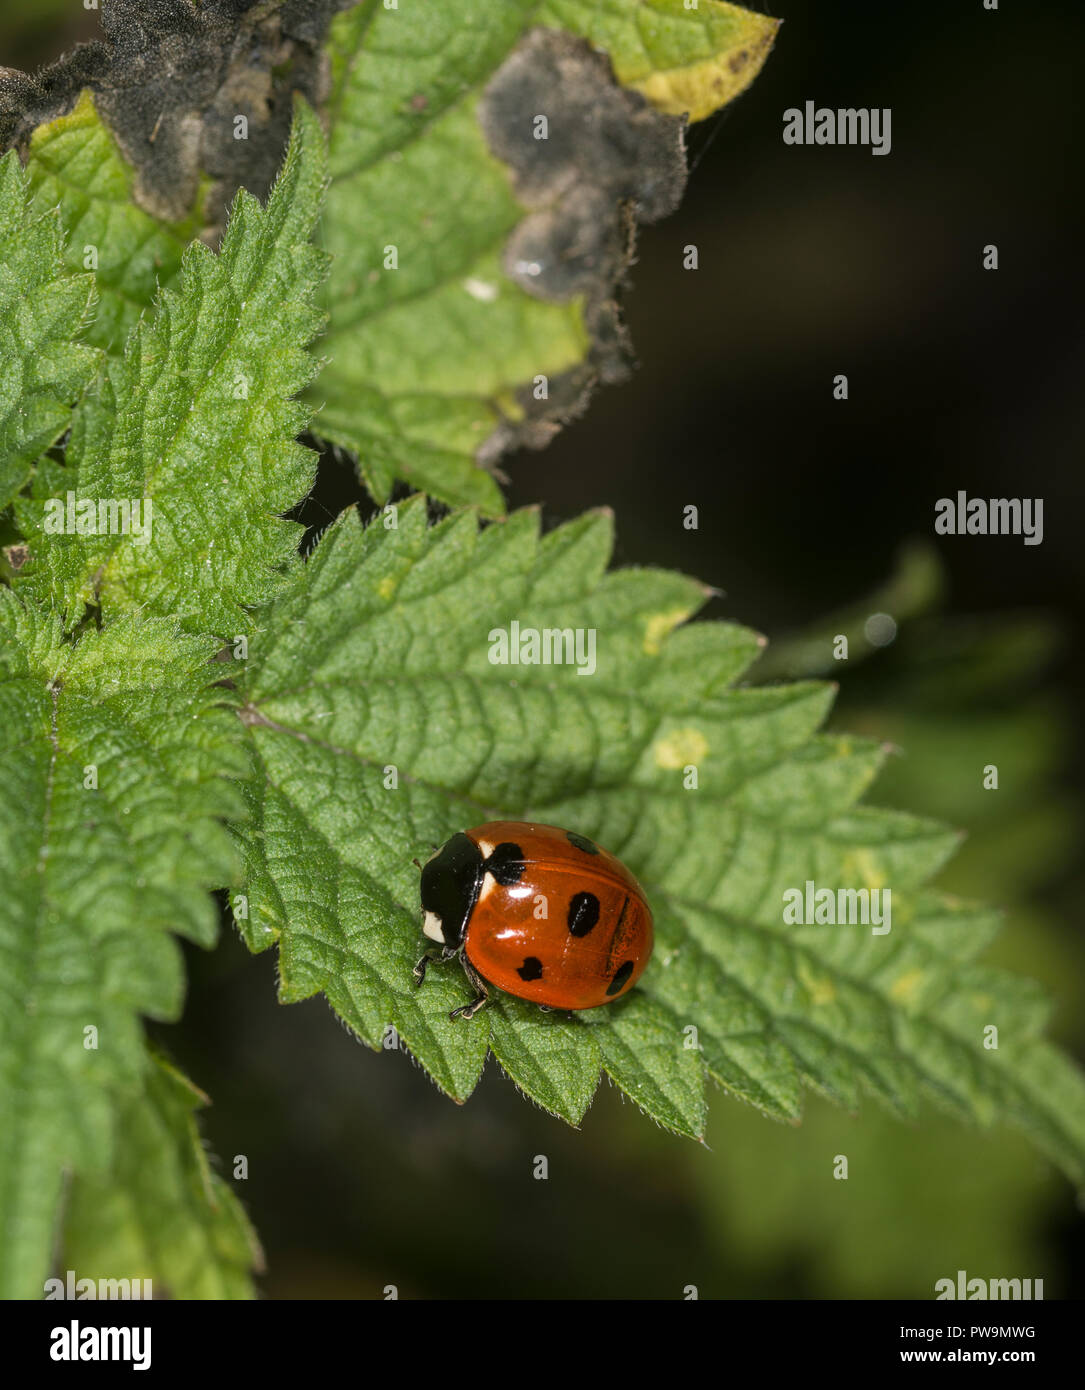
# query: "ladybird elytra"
536,911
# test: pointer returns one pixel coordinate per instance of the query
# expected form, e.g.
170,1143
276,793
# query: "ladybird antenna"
416,864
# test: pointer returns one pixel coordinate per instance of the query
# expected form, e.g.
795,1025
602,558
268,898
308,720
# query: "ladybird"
536,911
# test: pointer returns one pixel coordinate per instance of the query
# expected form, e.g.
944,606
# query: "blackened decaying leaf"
170,78
604,161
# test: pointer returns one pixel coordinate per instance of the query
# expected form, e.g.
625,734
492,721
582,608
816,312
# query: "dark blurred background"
814,261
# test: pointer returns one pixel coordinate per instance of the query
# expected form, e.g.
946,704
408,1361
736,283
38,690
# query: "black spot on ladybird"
583,913
581,842
620,976
532,969
506,864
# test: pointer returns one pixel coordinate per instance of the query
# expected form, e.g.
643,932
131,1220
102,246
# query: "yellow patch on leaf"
703,87
905,987
819,987
679,748
862,865
659,626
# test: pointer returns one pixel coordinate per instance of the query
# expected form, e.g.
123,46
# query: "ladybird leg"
482,993
434,953
441,953
470,1010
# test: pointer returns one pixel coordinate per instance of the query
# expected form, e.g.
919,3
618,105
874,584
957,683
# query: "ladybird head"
451,879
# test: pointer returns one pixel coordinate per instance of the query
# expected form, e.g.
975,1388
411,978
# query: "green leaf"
194,429
551,1059
161,1212
382,727
471,263
115,750
954,694
75,166
438,353
43,312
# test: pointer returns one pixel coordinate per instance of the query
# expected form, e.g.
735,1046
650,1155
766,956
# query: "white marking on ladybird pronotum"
485,848
433,927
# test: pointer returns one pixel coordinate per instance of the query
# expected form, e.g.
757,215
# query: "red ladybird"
536,911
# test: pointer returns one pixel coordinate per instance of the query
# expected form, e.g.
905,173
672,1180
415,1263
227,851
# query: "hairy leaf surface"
44,365
382,727
116,751
161,1212
196,422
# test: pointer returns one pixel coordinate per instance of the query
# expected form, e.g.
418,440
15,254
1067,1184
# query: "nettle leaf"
381,727
476,253
161,1212
75,166
43,313
194,430
471,262
116,751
